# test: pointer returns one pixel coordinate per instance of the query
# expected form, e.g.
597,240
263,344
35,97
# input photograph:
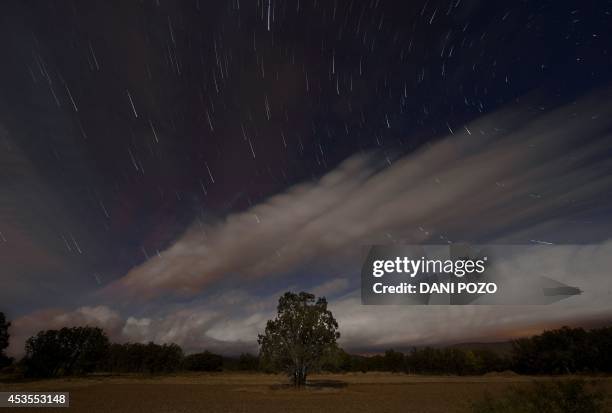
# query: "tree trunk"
299,375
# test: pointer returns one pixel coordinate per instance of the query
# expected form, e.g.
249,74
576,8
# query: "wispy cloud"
506,172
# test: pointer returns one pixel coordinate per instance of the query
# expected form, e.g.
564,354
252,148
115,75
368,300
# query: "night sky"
168,168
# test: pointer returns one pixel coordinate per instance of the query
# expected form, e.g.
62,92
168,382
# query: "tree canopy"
76,350
303,331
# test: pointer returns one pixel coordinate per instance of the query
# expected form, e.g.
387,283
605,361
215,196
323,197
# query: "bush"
393,361
248,362
567,396
205,361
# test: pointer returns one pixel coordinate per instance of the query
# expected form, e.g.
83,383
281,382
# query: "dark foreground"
236,393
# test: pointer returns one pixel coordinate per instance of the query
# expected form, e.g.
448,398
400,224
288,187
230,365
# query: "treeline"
83,350
142,358
561,351
566,350
154,358
426,360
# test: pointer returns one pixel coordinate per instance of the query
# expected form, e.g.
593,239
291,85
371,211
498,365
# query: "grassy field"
239,392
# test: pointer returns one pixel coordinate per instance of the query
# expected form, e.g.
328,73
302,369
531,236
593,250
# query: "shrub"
567,396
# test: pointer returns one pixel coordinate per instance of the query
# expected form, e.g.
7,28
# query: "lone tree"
303,331
4,340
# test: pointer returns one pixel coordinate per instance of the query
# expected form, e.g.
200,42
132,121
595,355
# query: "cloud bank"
229,322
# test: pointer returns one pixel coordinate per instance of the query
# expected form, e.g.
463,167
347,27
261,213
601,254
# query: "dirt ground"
240,392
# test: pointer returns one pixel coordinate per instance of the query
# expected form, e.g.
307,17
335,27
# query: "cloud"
229,322
26,326
233,320
225,325
586,266
331,287
512,170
